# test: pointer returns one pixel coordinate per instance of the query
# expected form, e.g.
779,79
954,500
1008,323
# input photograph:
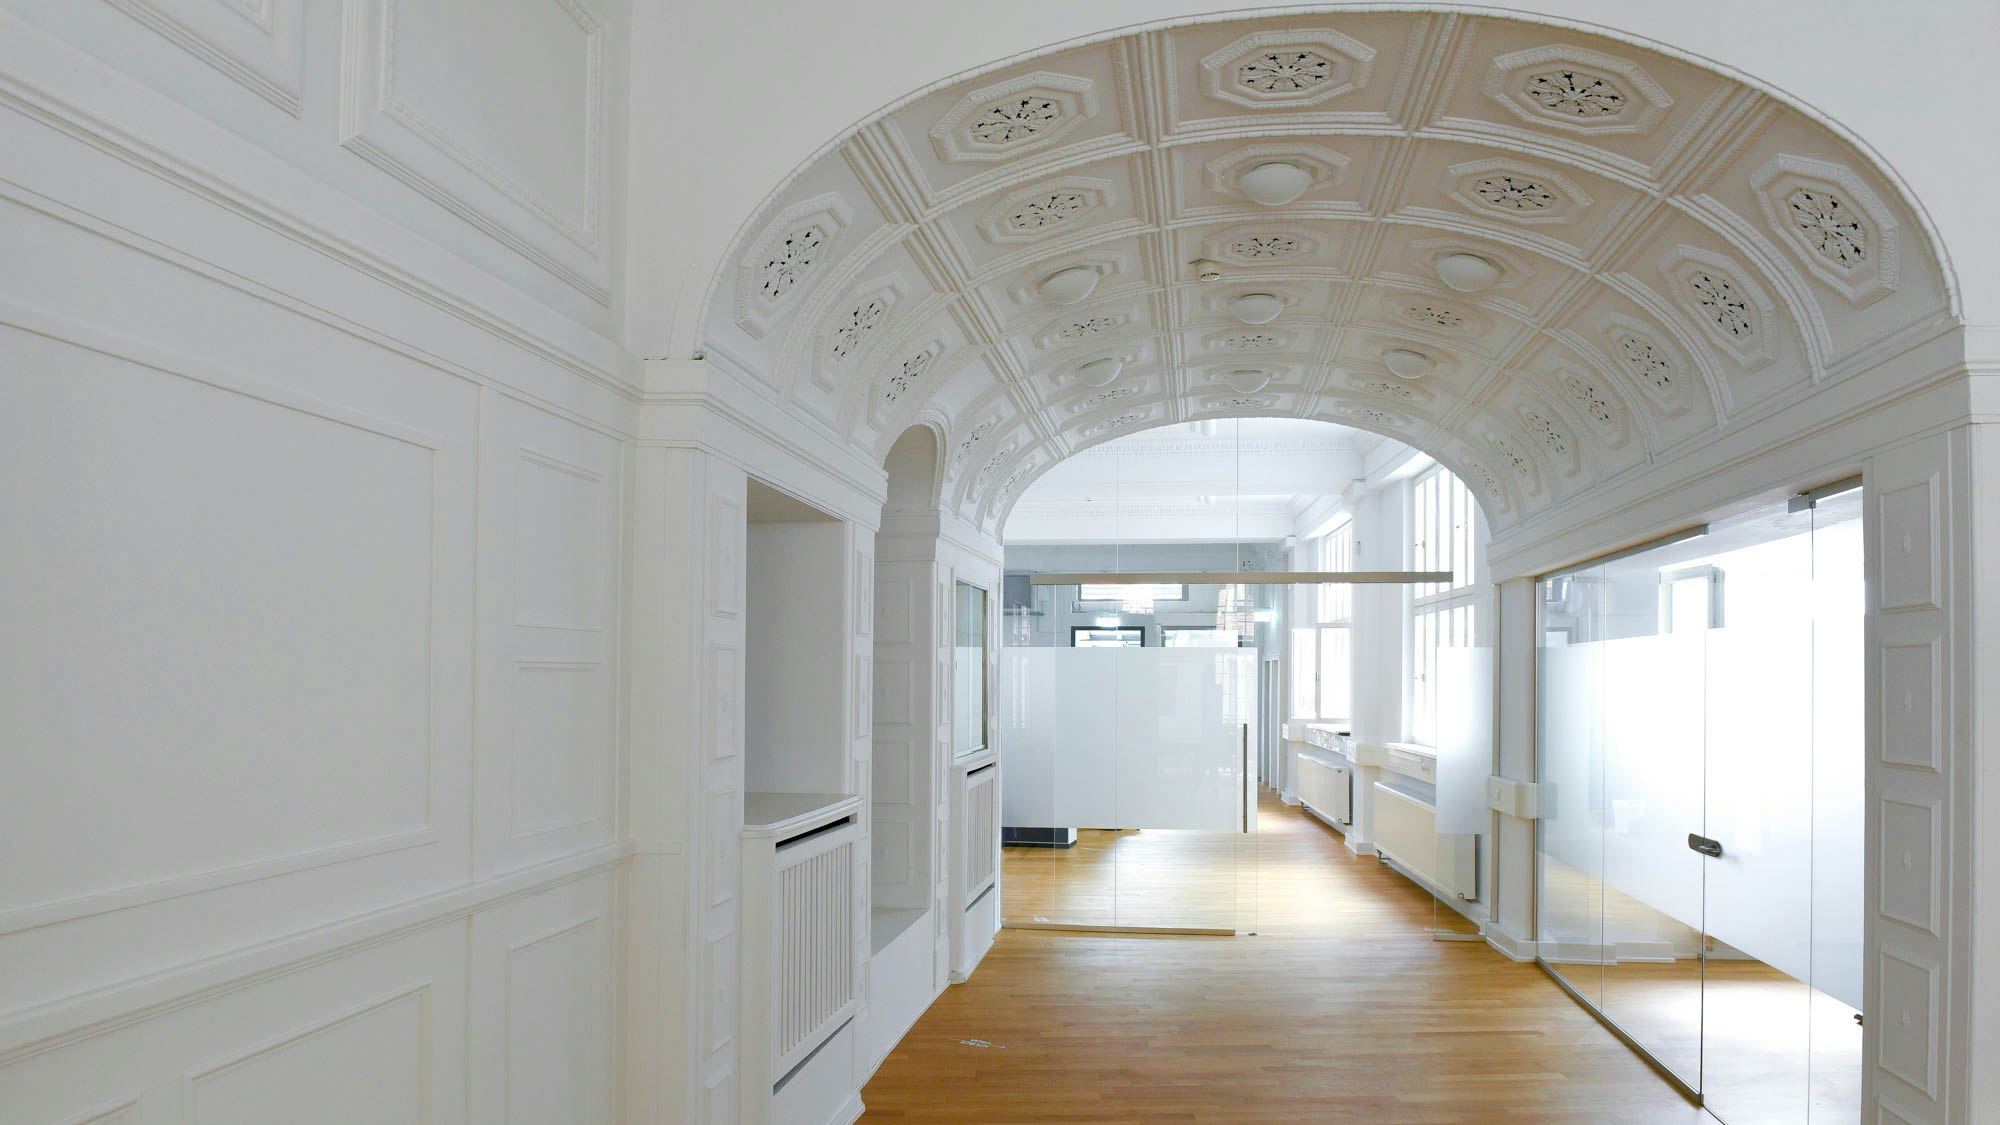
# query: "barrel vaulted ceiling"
1677,253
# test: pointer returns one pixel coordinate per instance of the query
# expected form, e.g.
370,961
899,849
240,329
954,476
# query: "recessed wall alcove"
794,646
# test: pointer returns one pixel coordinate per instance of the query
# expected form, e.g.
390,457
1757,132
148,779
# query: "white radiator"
1406,831
982,837
813,937
1326,789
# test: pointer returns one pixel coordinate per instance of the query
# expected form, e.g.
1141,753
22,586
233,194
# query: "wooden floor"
1344,1009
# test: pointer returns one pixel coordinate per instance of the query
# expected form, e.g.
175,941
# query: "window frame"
1443,536
1328,609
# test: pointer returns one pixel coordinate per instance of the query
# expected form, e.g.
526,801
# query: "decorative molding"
1287,68
1730,308
1017,116
1578,90
1034,213
368,98
256,44
1833,223
1326,167
784,259
1515,191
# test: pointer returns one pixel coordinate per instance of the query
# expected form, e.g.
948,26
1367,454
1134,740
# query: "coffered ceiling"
1673,253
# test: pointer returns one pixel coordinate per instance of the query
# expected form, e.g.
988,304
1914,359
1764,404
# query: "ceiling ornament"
1731,309
971,439
1659,373
1370,416
1519,193
1102,398
993,464
1407,363
788,252
1249,341
1578,90
1225,174
1121,422
1240,402
856,326
1077,329
1271,246
1552,436
1833,223
1287,68
906,377
1512,457
1037,212
1595,405
1387,389
1030,112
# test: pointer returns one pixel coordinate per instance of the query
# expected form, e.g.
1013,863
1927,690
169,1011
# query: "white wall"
314,594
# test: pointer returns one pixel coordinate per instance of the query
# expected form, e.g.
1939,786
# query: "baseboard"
1358,847
1511,947
849,1113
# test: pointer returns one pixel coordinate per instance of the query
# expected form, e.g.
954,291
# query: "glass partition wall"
1699,862
1131,782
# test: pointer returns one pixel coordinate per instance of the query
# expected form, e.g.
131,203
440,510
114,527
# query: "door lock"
1705,846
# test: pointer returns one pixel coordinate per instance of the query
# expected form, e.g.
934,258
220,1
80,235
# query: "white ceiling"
1681,254
1217,479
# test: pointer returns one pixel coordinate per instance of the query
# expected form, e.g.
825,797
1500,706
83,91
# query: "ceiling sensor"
1205,269
1067,287
1257,308
1467,273
1099,372
1406,364
1247,381
1275,183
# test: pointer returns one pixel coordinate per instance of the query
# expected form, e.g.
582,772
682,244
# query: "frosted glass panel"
1148,756
1709,692
968,686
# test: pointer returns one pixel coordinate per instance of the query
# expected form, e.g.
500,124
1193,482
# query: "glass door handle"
1705,846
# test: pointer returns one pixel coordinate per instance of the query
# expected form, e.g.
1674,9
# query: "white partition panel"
1135,738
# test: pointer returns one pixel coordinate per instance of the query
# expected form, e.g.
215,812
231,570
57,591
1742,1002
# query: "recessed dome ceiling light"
1099,372
1275,183
1247,381
1067,287
1406,364
1257,308
1467,273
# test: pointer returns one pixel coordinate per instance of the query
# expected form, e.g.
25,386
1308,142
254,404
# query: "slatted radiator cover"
812,940
982,840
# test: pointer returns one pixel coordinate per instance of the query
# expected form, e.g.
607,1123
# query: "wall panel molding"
255,42
380,123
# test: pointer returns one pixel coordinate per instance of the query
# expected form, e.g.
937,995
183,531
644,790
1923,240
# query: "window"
968,683
1132,592
1322,684
1441,522
1107,636
1196,636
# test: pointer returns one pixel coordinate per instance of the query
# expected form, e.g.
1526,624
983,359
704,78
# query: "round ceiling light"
1099,372
1257,308
1406,364
1067,287
1467,273
1275,183
1247,381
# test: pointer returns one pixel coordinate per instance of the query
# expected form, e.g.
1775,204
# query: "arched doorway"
1614,289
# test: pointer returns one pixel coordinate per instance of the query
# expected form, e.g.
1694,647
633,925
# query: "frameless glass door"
1699,880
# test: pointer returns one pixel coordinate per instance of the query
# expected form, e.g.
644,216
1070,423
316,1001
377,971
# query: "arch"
914,465
1681,253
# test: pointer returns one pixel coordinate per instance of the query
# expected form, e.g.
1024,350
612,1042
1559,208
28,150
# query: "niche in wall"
795,646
